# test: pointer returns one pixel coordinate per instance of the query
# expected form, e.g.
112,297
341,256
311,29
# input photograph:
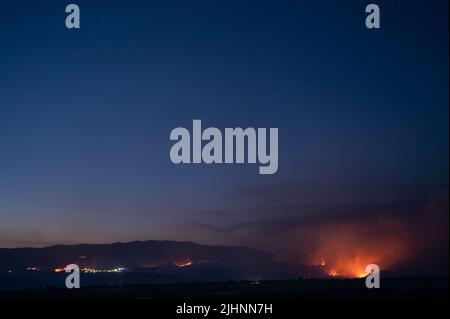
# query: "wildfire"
333,273
185,263
346,267
349,268
361,275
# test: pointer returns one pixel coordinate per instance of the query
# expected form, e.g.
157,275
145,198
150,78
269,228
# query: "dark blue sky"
85,115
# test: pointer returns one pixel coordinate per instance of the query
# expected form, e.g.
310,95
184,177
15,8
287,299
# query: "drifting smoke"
402,243
408,238
346,249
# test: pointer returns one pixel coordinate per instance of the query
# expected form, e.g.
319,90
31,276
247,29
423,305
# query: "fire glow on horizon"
185,263
344,264
347,269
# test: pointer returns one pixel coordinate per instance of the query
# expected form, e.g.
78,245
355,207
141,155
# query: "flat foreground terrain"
391,288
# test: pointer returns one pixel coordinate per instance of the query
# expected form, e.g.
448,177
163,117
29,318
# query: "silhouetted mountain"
137,254
141,262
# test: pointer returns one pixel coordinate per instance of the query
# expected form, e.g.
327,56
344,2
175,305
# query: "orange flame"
333,273
348,248
185,263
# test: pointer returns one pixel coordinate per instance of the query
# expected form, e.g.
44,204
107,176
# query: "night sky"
85,118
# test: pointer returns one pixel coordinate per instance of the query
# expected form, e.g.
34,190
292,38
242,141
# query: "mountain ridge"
138,254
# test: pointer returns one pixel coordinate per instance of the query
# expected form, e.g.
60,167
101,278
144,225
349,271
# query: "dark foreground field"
396,288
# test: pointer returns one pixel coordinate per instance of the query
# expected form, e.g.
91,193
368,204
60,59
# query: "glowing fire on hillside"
333,273
345,250
184,263
394,239
347,269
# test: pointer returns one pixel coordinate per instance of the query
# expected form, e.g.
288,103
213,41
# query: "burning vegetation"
393,242
346,250
184,263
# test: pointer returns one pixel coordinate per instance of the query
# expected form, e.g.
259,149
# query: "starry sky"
85,117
